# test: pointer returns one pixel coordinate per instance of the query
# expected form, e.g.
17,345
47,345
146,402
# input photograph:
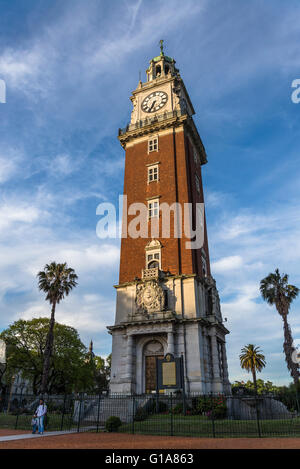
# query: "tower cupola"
161,66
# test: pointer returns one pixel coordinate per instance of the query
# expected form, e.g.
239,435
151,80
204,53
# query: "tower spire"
161,42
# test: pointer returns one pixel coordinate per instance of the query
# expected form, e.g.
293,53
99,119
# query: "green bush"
220,412
151,406
203,405
178,409
141,414
210,406
112,424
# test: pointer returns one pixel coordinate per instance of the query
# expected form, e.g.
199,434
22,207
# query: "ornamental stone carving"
210,284
134,113
150,297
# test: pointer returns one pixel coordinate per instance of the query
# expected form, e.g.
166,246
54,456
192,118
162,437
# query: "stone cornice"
166,277
155,125
152,84
174,320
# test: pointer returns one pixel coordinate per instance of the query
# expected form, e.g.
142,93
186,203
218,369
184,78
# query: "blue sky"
69,69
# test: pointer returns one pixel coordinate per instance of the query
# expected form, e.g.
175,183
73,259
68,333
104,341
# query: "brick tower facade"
167,300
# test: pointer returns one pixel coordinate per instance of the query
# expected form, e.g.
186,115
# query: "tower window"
204,263
158,71
153,254
197,183
153,208
204,267
153,144
196,158
152,173
153,260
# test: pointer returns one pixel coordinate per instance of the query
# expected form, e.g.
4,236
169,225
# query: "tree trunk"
289,349
48,351
254,379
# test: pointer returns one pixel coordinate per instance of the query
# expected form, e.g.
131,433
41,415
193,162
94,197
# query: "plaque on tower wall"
169,372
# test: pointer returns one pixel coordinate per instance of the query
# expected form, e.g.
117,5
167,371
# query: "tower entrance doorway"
150,371
152,351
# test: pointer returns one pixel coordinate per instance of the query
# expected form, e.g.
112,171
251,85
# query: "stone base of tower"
139,339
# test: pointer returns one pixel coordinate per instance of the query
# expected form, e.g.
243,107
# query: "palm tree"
276,291
56,280
252,359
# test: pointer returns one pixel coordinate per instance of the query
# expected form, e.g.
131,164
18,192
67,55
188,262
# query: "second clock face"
154,101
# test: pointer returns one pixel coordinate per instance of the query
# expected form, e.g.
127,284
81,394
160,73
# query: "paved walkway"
26,436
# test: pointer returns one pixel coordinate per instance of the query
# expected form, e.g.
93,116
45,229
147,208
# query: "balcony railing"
150,273
151,120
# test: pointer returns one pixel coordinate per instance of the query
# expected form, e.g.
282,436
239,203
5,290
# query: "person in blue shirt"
41,412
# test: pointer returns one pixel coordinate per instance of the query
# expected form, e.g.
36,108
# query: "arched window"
153,265
153,255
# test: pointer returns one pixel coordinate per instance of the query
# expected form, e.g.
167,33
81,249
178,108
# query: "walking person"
41,412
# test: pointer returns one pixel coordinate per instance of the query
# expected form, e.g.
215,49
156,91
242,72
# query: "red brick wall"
176,183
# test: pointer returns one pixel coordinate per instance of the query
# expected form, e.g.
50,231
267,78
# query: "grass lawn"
200,426
178,425
24,421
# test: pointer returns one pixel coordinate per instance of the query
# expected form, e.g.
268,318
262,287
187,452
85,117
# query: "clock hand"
152,105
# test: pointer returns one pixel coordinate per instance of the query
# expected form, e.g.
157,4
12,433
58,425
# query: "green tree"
253,360
102,373
26,342
100,370
263,387
56,280
276,290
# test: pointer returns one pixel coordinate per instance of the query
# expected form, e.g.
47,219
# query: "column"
171,343
129,357
215,359
225,369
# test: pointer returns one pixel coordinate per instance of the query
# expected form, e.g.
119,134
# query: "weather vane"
161,46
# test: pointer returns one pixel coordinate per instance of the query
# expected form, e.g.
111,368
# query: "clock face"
154,101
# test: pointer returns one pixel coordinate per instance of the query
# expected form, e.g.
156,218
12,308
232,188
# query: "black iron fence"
175,414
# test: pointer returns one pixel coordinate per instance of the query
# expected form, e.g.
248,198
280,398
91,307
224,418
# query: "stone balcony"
154,273
152,120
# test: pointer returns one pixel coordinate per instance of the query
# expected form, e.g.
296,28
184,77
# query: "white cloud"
259,242
63,165
7,169
11,214
227,263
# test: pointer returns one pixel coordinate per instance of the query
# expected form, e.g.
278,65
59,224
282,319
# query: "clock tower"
167,300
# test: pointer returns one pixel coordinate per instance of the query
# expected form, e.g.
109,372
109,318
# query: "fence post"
63,414
213,416
79,415
171,430
98,413
297,401
257,417
133,410
72,407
